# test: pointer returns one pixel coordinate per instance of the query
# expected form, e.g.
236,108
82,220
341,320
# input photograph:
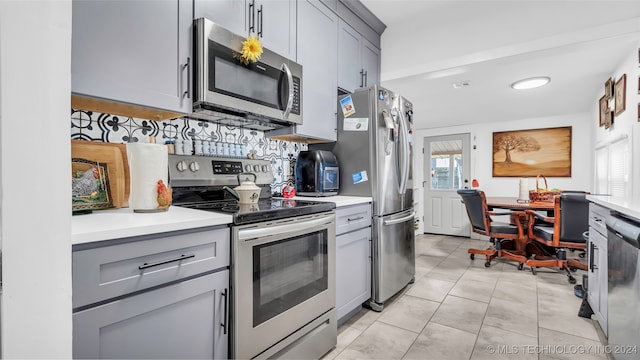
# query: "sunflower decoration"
251,50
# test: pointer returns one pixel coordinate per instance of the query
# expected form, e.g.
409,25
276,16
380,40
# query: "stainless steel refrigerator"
374,151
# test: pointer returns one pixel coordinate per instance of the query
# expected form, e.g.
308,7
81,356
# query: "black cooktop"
265,209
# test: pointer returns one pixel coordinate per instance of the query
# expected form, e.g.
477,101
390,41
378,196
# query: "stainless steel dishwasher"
624,286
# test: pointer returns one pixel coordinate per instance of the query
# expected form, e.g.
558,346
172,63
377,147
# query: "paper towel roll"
148,163
524,189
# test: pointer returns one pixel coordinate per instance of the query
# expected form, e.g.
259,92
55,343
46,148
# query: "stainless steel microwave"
263,95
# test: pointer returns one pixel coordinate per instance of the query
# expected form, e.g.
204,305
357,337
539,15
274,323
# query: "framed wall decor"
620,94
532,152
608,89
604,107
638,112
608,119
89,186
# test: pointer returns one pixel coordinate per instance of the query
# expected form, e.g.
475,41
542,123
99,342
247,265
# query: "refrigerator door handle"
400,220
405,154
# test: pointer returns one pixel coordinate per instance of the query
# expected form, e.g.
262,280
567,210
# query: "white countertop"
339,200
121,223
626,206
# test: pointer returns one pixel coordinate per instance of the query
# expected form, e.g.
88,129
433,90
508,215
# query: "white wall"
35,191
481,157
625,124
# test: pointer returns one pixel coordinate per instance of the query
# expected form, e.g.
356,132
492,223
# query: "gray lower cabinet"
353,259
597,272
186,320
155,296
133,51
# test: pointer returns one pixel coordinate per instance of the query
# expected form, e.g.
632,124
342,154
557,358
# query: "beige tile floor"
458,309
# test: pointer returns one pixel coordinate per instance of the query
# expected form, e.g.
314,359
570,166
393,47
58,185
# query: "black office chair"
565,230
502,235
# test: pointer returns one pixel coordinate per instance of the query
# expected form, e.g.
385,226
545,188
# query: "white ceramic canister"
187,147
205,147
178,147
197,147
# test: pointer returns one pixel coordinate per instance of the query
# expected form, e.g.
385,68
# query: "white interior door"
446,166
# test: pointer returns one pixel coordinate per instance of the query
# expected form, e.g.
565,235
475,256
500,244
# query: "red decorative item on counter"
164,195
288,191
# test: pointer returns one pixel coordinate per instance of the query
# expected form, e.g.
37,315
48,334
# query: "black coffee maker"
317,173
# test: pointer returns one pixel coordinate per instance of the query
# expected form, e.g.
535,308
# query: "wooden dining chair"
502,235
565,230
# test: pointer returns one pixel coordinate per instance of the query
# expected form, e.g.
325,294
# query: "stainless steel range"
283,259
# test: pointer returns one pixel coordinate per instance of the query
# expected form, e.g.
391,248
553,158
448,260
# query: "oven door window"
288,272
255,82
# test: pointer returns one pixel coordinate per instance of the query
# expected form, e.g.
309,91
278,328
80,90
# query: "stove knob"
264,168
181,165
194,166
247,168
256,168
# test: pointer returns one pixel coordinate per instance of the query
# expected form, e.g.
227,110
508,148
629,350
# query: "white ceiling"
429,45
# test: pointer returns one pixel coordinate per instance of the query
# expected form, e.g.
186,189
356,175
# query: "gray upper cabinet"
230,14
358,59
318,54
274,22
133,51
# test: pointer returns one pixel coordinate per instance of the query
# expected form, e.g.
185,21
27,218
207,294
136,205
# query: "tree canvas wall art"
532,152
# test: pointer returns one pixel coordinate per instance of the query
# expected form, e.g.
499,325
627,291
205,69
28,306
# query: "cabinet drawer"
123,266
597,217
352,218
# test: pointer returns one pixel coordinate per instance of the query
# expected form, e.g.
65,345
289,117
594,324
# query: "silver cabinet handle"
356,219
400,220
362,78
180,258
287,110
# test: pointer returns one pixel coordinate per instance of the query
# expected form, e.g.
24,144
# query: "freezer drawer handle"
400,220
180,258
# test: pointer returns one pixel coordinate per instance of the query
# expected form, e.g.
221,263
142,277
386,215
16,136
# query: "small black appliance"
317,173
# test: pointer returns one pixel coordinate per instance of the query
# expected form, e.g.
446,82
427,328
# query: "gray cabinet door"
370,63
132,51
180,321
230,14
349,57
275,24
318,54
353,270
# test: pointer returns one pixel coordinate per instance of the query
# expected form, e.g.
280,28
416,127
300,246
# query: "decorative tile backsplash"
93,126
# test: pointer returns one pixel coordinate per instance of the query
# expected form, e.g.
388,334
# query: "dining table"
519,206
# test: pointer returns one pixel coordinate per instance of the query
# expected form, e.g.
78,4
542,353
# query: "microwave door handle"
287,110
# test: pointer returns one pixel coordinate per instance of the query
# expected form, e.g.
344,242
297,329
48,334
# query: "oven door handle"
400,220
282,230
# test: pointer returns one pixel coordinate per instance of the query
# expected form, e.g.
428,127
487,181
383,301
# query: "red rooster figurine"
164,195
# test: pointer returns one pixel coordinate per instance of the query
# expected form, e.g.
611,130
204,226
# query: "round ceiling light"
531,83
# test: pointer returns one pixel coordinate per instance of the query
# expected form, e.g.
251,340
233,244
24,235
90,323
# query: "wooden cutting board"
115,156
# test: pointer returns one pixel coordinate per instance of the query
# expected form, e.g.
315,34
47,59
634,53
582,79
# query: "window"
612,168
